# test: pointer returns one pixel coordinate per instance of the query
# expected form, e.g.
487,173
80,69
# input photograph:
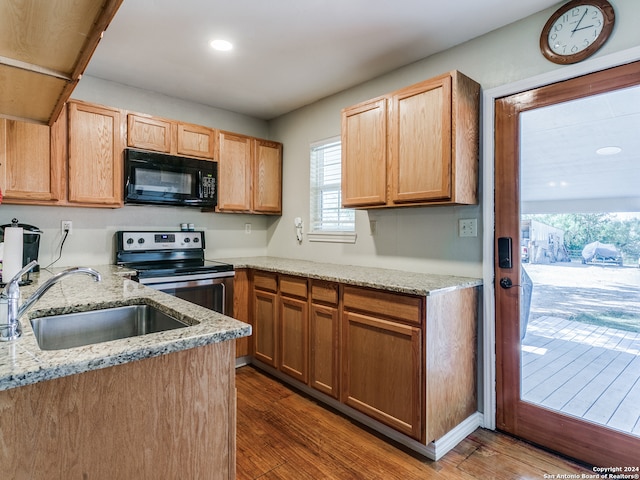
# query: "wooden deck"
583,370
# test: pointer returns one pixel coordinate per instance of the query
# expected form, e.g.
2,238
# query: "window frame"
316,189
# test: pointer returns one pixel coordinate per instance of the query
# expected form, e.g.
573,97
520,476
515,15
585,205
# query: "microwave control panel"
138,241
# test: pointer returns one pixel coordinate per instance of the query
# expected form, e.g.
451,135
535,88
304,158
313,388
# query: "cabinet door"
196,141
95,155
265,327
420,142
149,133
32,161
382,371
364,154
267,177
234,172
294,338
323,356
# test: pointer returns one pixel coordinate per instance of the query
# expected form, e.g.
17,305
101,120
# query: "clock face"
575,30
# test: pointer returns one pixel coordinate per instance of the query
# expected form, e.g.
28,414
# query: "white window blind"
327,215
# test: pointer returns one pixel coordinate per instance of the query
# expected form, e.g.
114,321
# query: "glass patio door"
567,276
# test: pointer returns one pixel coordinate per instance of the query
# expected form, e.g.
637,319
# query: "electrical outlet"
66,225
247,228
468,227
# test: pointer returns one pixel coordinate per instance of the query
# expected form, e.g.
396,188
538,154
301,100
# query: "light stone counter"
380,278
22,362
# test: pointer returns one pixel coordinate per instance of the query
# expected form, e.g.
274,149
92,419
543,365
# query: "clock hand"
579,22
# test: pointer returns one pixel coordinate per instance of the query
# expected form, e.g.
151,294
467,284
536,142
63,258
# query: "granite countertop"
22,362
392,280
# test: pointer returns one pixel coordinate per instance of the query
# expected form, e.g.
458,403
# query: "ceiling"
559,159
287,53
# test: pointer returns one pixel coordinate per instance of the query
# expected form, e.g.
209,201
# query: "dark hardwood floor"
282,434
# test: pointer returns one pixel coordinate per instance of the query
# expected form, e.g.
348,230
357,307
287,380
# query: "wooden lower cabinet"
382,371
294,335
324,338
407,361
265,318
324,329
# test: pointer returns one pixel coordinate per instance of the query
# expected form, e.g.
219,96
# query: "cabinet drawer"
265,281
406,308
293,286
324,292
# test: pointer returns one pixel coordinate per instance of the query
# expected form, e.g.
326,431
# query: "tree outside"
581,229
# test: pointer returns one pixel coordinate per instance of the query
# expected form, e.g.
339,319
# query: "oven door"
212,293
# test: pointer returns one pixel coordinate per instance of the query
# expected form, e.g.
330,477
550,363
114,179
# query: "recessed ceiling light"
221,45
608,150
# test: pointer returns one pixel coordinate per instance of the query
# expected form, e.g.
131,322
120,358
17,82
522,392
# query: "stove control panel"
139,241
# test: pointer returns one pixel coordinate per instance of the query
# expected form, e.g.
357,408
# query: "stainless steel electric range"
173,262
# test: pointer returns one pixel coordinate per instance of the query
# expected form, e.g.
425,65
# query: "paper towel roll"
12,256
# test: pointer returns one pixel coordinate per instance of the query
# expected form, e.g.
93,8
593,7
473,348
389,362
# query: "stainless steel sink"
69,330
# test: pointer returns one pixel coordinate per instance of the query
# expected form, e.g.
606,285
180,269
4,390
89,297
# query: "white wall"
417,239
92,241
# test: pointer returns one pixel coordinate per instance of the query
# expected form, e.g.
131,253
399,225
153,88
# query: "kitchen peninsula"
153,406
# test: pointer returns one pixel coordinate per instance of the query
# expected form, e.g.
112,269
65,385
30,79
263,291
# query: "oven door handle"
149,282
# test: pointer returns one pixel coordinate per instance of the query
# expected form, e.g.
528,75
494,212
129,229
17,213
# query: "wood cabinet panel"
382,371
33,161
171,416
149,133
265,327
324,331
324,292
396,306
242,307
265,281
95,155
267,177
420,142
364,149
451,360
234,172
293,286
196,141
294,338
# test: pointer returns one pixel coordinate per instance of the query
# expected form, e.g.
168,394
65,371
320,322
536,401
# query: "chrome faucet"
10,328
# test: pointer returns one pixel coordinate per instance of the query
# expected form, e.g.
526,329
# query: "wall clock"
577,30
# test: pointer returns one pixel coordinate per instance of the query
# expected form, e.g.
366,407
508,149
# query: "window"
329,221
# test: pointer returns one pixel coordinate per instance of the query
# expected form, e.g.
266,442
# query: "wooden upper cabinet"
148,133
267,177
95,155
431,143
249,174
364,154
234,172
171,137
32,161
196,141
420,142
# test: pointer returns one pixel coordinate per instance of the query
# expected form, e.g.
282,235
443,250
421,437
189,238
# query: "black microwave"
159,179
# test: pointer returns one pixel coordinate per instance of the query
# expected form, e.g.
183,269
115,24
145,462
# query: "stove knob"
129,241
196,240
141,241
187,240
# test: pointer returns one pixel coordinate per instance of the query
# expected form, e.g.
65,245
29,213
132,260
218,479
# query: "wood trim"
568,435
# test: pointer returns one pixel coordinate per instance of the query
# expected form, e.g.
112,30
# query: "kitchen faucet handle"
16,278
